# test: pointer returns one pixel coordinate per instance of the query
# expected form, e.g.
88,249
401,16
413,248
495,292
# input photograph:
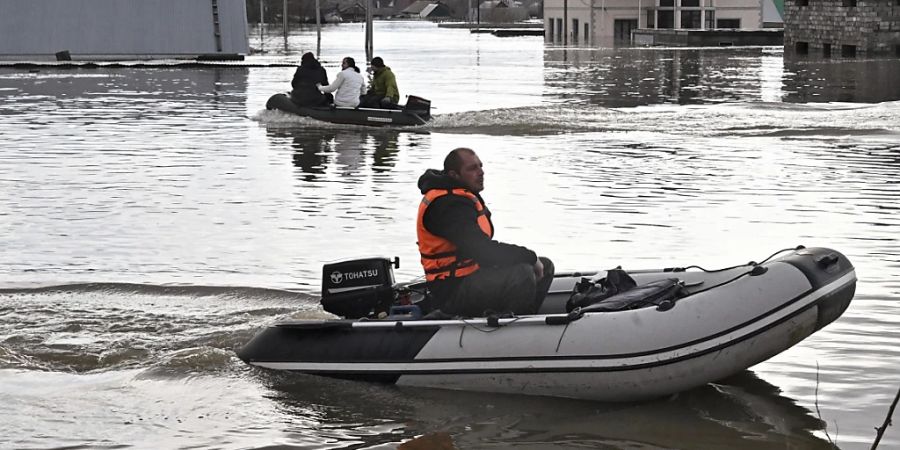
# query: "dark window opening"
622,29
666,19
728,23
690,3
826,50
850,3
559,29
574,30
802,2
897,50
552,30
690,19
848,51
587,33
669,3
651,19
710,19
802,48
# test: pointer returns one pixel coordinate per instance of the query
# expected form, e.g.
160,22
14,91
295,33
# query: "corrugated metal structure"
122,29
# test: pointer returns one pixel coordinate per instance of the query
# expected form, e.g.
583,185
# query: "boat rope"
559,342
756,269
493,323
751,263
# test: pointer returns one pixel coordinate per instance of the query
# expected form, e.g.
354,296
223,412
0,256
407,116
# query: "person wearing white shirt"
349,84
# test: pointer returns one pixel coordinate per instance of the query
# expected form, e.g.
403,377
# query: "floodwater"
154,218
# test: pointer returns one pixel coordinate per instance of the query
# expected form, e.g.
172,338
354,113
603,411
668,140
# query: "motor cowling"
358,288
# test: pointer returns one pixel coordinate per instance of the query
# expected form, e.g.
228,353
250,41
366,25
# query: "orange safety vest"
439,258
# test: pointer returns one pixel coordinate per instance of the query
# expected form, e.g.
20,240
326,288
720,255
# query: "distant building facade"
842,27
595,21
118,29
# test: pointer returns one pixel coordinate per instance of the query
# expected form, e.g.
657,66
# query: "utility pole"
285,14
262,21
369,35
318,30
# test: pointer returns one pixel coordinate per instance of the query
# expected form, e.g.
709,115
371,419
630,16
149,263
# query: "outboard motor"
359,288
419,106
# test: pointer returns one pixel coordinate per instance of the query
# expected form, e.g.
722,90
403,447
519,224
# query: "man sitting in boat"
308,75
467,272
383,92
349,84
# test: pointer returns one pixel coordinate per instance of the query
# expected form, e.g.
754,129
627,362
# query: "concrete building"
593,22
119,29
842,27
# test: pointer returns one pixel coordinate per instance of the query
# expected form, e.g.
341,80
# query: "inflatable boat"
676,329
417,111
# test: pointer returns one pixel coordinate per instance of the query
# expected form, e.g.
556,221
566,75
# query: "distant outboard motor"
358,288
418,106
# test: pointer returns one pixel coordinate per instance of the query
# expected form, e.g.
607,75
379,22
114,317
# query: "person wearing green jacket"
383,92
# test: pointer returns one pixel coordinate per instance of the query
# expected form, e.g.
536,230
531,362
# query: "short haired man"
383,92
468,273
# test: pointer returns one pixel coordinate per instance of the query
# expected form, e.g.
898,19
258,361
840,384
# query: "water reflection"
351,151
841,80
629,76
744,412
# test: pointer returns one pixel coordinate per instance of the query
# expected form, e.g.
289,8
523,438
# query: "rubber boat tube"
730,320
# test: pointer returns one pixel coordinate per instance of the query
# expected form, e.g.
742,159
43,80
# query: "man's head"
463,165
377,62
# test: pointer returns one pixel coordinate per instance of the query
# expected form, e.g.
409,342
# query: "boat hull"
352,116
732,321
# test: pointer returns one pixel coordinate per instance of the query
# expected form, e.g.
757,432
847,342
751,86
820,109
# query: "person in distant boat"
348,86
308,75
383,92
467,272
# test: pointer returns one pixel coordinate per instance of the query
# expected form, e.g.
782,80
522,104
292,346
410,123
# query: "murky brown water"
168,217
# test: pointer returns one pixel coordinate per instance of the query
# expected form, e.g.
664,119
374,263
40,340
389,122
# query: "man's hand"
387,101
538,269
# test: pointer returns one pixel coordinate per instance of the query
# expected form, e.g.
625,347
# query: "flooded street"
154,218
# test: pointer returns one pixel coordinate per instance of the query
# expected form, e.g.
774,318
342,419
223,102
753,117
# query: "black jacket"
305,92
455,219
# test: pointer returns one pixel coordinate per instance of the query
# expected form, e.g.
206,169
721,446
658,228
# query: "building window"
802,2
690,3
651,19
848,51
667,3
802,48
850,3
666,19
728,23
559,28
690,19
574,30
826,50
552,32
587,33
710,19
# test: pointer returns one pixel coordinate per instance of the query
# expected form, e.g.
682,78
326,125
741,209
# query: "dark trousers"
512,289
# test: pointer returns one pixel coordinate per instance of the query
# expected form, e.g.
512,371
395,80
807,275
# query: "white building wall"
601,17
97,28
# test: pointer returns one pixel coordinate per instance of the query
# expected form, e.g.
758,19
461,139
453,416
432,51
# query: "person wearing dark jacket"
308,74
468,273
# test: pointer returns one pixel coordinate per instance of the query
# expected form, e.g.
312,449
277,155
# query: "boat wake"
745,119
164,329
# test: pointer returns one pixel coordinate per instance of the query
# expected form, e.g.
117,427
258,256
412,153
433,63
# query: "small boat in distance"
645,342
417,111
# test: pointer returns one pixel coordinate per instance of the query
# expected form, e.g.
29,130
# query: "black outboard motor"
419,106
359,288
